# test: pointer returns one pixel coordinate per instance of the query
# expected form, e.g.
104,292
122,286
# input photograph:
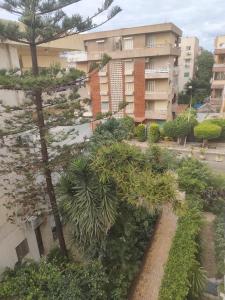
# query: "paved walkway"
148,284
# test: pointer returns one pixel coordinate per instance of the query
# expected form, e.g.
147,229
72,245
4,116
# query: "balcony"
219,51
156,114
129,72
218,84
103,79
157,73
158,50
219,68
156,95
216,101
104,93
102,73
129,93
104,99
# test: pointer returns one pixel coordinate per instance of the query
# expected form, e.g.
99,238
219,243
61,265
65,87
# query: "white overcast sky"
202,18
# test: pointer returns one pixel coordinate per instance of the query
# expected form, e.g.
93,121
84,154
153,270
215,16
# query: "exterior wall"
187,55
9,57
95,93
217,98
139,89
156,62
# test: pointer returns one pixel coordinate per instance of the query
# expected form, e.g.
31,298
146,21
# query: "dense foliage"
49,280
207,131
220,243
177,281
140,132
218,122
153,133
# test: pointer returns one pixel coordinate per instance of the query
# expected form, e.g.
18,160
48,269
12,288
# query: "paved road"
149,282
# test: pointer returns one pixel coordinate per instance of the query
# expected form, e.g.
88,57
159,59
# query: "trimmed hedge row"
182,257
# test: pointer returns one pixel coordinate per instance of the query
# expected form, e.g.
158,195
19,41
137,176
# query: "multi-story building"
218,81
142,71
187,62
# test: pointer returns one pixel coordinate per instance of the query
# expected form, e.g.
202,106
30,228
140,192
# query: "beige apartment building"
187,62
143,71
217,99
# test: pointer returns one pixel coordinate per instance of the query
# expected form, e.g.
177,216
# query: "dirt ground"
149,281
207,245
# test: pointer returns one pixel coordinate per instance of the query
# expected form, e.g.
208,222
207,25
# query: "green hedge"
207,131
220,244
140,133
182,257
218,122
153,133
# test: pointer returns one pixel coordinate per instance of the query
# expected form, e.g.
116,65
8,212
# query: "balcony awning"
139,119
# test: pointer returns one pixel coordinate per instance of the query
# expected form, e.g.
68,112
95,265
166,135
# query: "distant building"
187,62
143,71
218,81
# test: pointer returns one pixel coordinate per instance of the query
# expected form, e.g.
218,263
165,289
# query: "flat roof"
163,27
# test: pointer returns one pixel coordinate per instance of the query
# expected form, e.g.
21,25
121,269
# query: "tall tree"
201,86
45,21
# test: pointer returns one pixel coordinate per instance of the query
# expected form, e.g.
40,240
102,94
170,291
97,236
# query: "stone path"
149,281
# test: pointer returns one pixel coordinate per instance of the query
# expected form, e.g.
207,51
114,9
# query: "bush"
140,133
170,129
181,266
219,122
220,244
51,281
207,131
153,133
178,128
127,125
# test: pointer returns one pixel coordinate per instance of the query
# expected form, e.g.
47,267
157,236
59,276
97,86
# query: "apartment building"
217,99
143,71
187,62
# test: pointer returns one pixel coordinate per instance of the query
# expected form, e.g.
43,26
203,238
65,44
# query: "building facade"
187,62
143,71
217,99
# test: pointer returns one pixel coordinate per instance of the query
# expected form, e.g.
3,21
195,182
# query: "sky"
202,18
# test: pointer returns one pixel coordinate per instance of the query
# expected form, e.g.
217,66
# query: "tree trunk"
44,154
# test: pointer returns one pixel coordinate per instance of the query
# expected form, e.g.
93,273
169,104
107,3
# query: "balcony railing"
156,114
156,95
129,93
104,93
162,72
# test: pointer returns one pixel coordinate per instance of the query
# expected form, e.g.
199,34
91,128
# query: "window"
186,74
104,87
129,87
22,250
150,41
129,66
101,45
104,106
218,93
130,108
219,76
187,61
128,43
150,85
188,48
149,64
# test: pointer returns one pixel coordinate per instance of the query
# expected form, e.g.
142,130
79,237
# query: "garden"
110,197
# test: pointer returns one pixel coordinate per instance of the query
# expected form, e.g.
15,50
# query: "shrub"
219,122
179,272
178,128
207,131
140,133
170,129
127,125
153,133
220,244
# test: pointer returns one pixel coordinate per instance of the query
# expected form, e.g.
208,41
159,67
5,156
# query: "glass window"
128,43
149,64
129,66
130,108
188,48
219,76
186,74
129,87
150,85
150,41
101,45
104,106
22,250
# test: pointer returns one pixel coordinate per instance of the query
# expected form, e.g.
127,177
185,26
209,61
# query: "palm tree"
87,204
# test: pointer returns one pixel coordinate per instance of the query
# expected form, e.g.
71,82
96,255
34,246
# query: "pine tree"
43,21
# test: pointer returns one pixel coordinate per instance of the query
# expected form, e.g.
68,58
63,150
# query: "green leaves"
87,204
